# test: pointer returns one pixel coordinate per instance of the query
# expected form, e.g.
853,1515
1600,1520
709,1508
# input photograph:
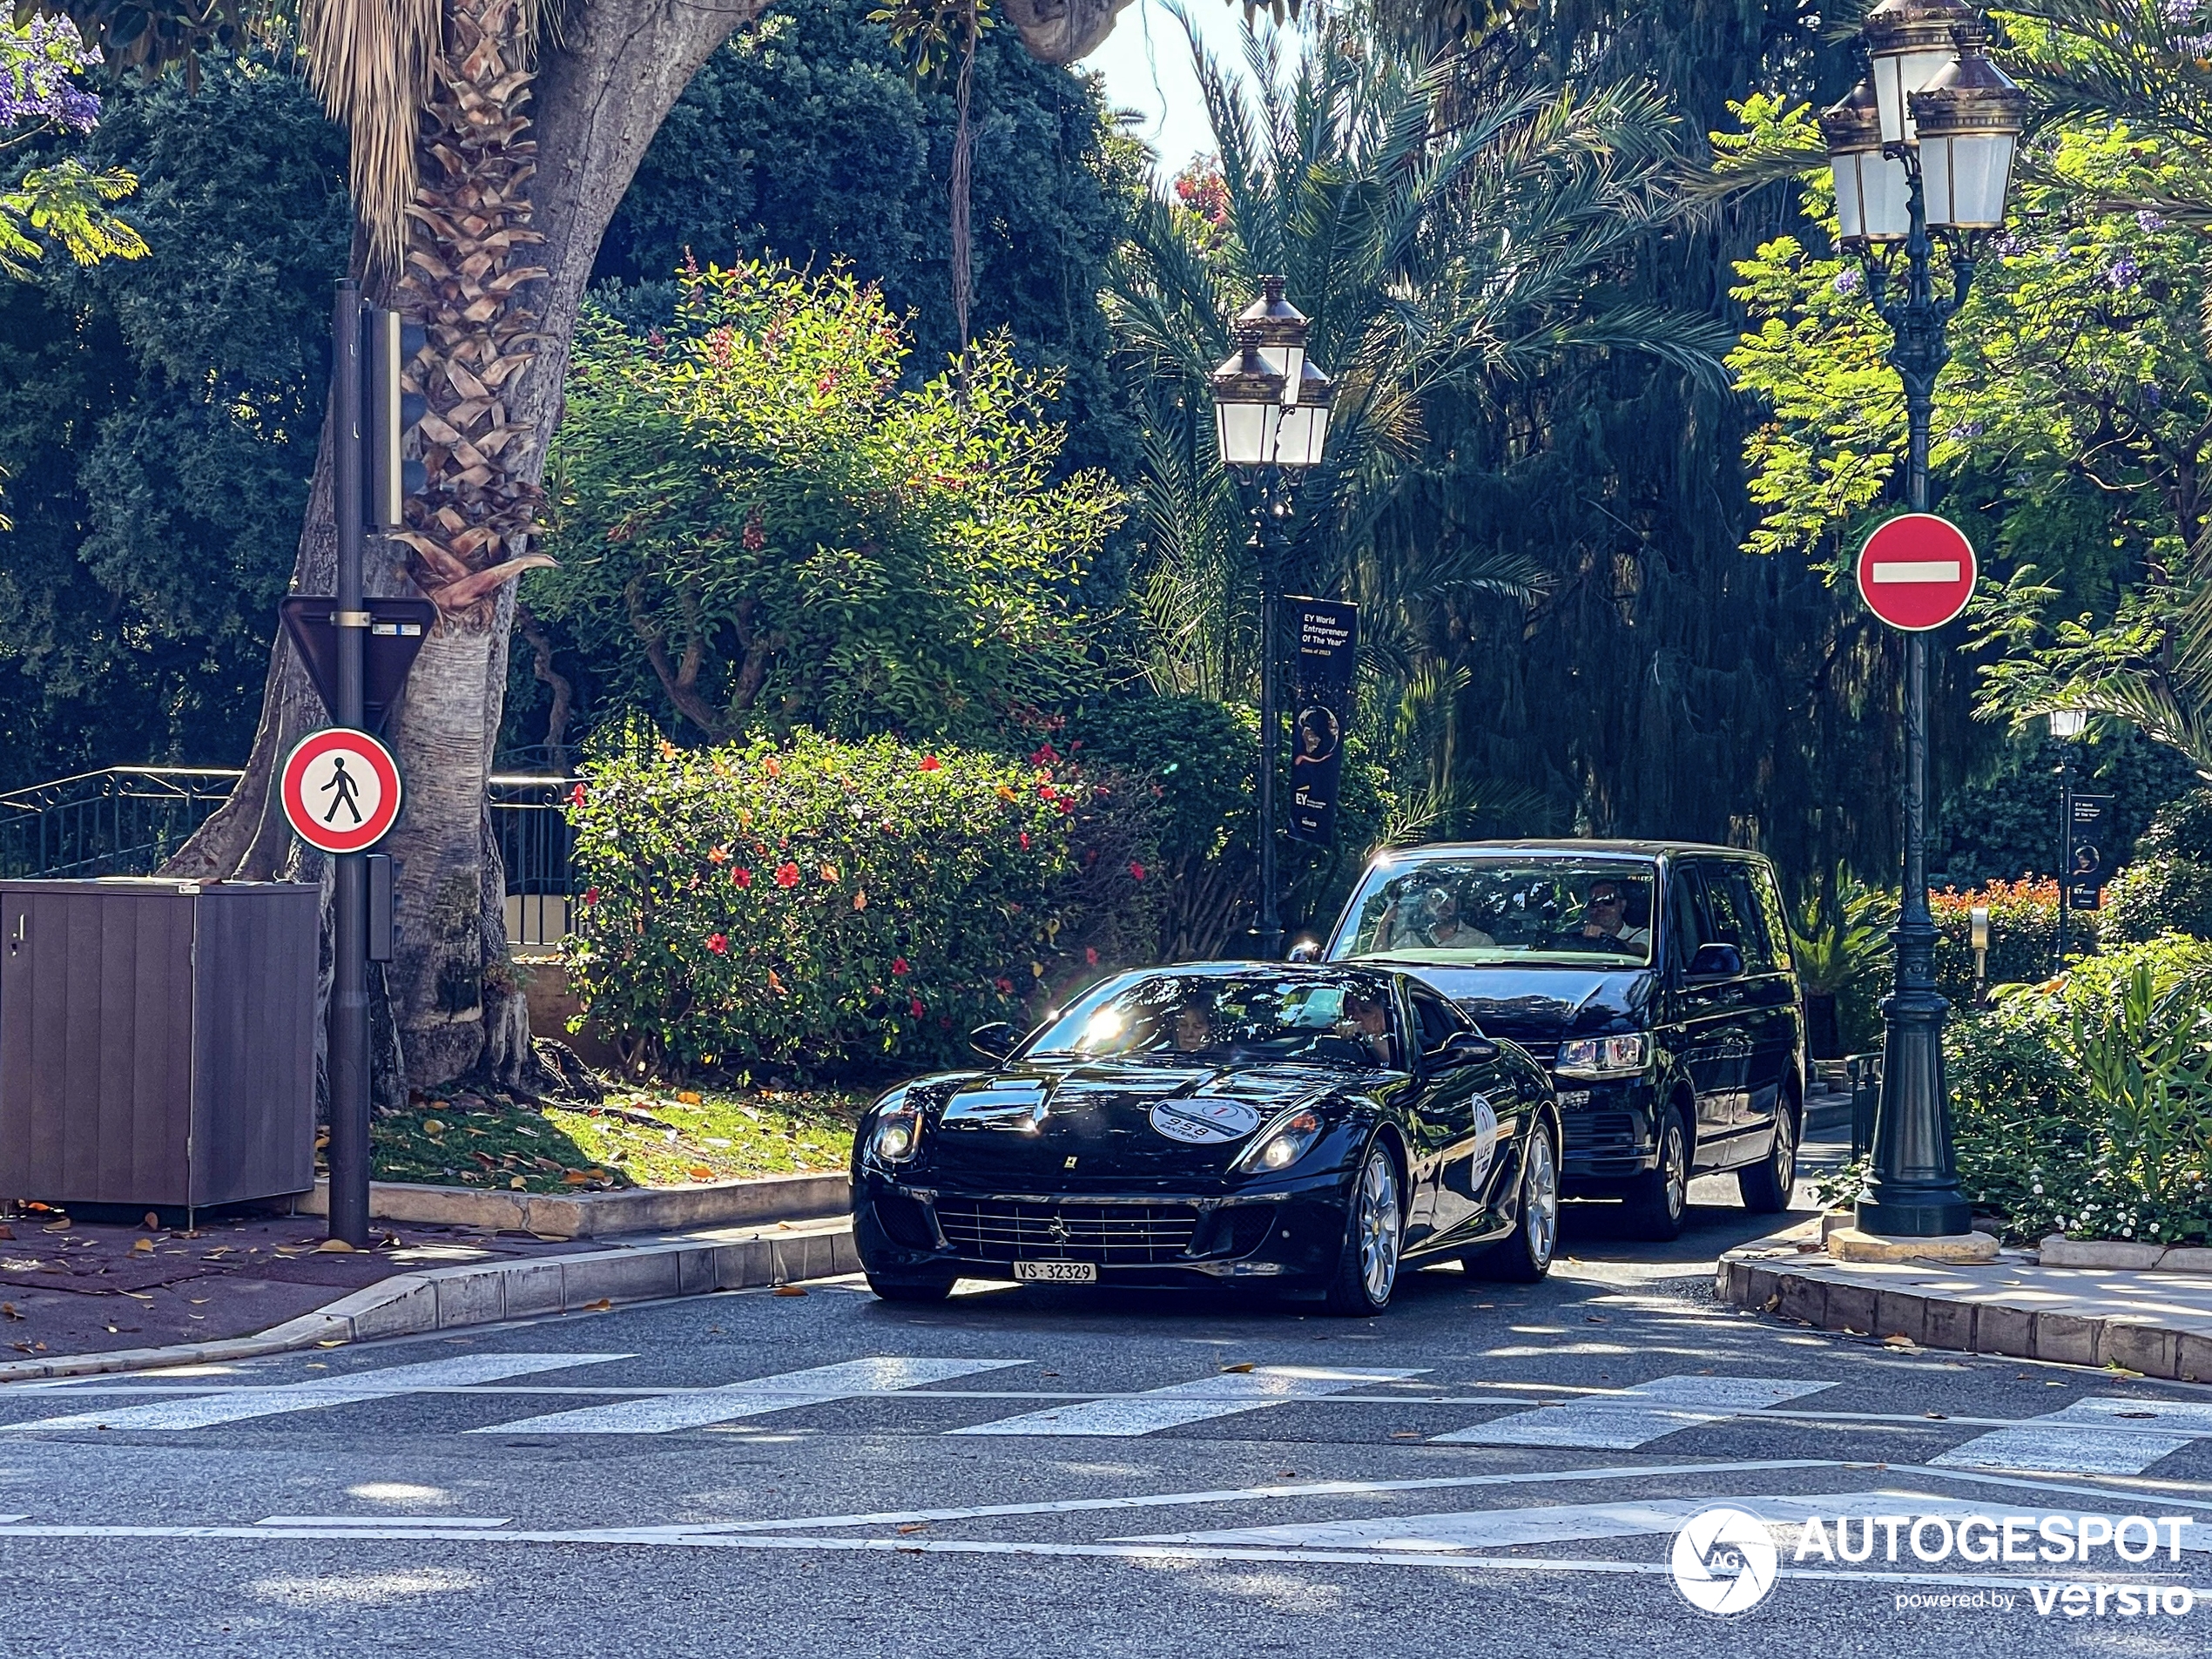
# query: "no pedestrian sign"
1916,572
340,790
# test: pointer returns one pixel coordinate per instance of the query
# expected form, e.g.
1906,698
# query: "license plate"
1057,1273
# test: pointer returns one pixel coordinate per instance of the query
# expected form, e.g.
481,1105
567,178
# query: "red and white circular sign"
340,790
1916,572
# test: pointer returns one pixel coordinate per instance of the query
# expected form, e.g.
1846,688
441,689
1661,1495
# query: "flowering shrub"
824,903
2084,1105
64,201
2023,934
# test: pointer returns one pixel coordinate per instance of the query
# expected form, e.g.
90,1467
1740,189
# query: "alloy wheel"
1540,1198
1785,1151
1378,1224
1676,1156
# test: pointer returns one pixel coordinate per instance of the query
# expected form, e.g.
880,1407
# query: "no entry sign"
340,790
1916,571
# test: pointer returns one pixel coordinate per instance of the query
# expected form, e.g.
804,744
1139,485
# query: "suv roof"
1577,848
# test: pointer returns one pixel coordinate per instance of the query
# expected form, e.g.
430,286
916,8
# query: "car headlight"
1603,1056
1282,1143
898,1133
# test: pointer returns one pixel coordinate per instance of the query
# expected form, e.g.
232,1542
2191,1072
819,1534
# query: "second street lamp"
1272,422
1948,120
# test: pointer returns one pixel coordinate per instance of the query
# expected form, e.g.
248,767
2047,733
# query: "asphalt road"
1062,1472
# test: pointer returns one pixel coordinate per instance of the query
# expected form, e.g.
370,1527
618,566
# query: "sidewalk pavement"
2156,1323
86,1297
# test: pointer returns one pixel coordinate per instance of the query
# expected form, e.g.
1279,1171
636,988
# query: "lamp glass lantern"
1908,41
1969,118
1247,405
2066,724
1874,193
1279,329
1304,430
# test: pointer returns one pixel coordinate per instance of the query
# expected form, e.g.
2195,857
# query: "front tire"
1765,1186
1526,1256
889,1289
1373,1225
1657,1199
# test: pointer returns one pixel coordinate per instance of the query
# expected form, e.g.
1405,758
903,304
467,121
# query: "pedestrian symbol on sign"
340,790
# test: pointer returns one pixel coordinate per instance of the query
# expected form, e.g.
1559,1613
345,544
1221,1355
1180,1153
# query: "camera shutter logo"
1723,1561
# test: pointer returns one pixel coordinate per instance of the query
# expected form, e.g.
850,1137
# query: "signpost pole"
1913,1191
347,1065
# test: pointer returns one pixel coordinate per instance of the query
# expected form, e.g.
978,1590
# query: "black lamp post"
2066,726
1921,152
1272,419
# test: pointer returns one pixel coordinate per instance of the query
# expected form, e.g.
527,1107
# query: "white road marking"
916,1546
1573,1523
237,1404
1622,1421
2079,1438
401,1523
1915,571
814,1387
1192,1402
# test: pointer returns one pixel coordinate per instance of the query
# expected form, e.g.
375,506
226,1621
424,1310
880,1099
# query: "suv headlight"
897,1135
1282,1143
1603,1056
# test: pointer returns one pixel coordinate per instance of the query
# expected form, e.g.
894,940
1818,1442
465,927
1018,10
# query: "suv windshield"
1186,1019
1458,910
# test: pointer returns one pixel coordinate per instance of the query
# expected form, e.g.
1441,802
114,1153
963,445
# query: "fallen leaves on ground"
791,1289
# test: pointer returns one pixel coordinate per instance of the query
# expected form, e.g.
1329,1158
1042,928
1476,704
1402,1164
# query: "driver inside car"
1366,1023
1605,918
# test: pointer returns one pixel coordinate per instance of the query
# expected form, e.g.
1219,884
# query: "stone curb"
444,1298
1833,1298
595,1215
2061,1251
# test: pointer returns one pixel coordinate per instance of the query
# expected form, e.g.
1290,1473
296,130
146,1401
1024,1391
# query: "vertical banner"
1328,643
2088,820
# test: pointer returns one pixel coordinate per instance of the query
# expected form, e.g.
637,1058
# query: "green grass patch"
637,1137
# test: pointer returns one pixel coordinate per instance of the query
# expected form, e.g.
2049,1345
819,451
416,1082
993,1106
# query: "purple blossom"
2123,272
2149,223
1847,280
2009,245
1965,429
37,64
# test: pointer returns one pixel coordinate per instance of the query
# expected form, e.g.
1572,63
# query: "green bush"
2023,935
821,904
2151,896
2085,1107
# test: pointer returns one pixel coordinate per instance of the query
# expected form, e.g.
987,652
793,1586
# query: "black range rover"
1653,978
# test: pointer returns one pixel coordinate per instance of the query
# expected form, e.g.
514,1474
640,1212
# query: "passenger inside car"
1606,920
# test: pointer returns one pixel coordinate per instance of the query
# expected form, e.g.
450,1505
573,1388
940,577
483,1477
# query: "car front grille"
1543,1053
1112,1235
1586,1129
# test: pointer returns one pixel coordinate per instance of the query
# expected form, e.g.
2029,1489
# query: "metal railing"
125,820
121,821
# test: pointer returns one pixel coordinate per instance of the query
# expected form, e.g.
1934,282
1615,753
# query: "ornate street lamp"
1949,120
1272,422
2066,726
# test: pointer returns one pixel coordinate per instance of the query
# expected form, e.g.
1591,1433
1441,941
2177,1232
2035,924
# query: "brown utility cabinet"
157,1041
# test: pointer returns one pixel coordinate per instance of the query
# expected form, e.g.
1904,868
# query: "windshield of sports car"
1475,911
1195,1020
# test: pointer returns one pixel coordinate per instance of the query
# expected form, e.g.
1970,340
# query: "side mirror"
994,1040
1465,1048
1306,950
1717,961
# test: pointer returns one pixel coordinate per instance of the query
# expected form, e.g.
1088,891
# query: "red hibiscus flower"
1091,955
741,876
1135,871
930,763
786,874
576,796
898,964
1025,840
916,1005
591,895
1005,985
718,943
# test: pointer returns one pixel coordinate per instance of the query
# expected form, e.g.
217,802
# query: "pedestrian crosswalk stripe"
815,1386
1620,1422
1191,1402
238,1405
1568,1523
2098,1435
400,1523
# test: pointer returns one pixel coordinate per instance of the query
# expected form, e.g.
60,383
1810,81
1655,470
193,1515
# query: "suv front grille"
1112,1235
1586,1129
